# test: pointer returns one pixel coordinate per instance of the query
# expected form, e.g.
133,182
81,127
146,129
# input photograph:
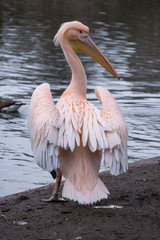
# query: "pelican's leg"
57,184
54,197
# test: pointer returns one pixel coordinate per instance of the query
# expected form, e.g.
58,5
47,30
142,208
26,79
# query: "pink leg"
54,197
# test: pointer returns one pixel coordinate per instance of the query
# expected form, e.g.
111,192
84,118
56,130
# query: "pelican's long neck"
78,83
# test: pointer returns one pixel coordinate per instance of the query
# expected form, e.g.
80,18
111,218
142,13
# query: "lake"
127,32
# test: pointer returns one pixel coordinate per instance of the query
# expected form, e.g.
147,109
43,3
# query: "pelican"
69,138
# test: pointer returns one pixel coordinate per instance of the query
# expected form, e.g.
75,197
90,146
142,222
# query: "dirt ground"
137,192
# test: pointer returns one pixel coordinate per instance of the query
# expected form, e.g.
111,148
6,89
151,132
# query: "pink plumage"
71,135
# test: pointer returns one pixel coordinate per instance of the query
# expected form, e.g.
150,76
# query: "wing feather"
70,126
43,126
85,129
115,154
74,120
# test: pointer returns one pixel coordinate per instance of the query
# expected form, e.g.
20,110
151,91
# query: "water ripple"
28,58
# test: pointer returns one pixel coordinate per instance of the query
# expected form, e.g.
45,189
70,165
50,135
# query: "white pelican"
68,138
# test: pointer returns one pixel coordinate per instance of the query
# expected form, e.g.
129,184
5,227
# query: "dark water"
128,32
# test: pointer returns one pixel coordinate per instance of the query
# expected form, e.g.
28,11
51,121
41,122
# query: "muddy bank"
136,195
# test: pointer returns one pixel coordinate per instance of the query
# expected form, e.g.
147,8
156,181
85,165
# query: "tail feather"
87,196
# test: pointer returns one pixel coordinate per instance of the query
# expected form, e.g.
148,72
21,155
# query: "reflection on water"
129,35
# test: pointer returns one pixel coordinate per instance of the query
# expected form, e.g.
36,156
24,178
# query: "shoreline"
106,172
135,194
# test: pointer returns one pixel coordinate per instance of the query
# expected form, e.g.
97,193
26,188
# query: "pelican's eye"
82,34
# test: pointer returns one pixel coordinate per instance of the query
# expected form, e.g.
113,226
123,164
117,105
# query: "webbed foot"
54,199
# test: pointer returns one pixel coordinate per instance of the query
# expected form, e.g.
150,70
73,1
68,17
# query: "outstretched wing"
115,156
43,126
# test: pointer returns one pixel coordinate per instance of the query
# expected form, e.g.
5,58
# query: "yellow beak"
85,44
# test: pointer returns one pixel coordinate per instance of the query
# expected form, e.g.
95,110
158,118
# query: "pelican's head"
77,34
